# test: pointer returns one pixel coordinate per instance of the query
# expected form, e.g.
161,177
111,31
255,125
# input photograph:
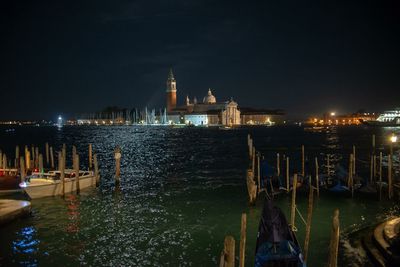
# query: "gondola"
277,244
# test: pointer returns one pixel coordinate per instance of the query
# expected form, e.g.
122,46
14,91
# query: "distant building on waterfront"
343,119
211,112
207,112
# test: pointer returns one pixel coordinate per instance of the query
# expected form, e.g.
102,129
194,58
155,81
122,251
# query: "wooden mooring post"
293,205
390,189
251,187
253,161
90,152
47,154
5,166
73,151
64,153
33,156
242,252
117,157
96,170
287,175
316,176
76,168
61,168
380,176
302,161
351,178
354,160
227,258
308,226
22,168
16,157
258,174
371,169
51,158
278,165
36,157
334,243
41,168
27,158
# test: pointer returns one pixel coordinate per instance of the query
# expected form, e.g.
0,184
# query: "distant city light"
333,113
393,138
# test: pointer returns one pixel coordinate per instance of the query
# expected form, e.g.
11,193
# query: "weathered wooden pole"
27,158
250,148
334,244
258,173
354,160
64,153
5,166
373,144
351,179
33,156
16,156
1,159
117,156
96,170
328,167
36,157
278,165
228,254
380,175
61,166
287,175
22,168
47,154
293,206
40,159
242,252
90,157
302,161
76,161
73,151
51,158
316,175
308,226
390,190
253,161
371,169
375,169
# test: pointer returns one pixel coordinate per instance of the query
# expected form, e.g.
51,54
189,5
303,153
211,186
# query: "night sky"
72,57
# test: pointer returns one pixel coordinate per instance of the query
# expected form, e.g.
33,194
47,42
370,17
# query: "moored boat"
9,182
389,118
277,244
49,184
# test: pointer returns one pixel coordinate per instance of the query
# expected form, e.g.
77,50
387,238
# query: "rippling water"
182,190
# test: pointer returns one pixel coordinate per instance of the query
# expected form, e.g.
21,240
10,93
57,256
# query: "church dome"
209,99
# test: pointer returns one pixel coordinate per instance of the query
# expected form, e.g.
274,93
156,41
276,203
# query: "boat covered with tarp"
277,244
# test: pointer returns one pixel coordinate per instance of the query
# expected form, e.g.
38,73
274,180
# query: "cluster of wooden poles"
227,258
33,161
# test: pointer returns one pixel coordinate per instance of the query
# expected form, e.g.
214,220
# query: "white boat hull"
47,188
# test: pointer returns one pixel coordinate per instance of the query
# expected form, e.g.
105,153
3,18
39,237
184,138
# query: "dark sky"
80,56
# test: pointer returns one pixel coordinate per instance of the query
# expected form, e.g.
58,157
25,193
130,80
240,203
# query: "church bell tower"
171,91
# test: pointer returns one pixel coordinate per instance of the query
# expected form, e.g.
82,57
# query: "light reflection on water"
181,192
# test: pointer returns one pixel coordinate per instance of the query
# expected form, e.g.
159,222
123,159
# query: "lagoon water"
182,191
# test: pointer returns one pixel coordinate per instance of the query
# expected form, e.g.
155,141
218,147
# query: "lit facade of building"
211,112
347,119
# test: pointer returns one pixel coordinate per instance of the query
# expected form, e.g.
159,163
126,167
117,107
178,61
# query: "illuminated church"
209,111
